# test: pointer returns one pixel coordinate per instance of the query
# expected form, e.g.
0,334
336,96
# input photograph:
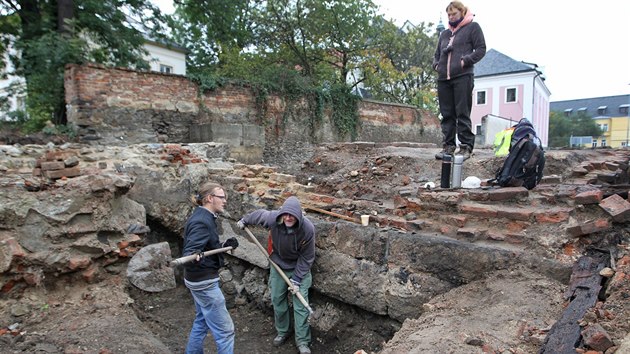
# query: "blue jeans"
211,315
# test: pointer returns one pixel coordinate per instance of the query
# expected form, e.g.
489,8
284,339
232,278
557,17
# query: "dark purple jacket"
293,249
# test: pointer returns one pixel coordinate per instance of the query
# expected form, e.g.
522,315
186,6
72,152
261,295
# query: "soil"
66,315
115,317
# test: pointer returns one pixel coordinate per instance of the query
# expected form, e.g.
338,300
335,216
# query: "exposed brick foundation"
116,106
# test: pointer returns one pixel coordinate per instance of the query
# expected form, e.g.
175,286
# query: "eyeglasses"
219,196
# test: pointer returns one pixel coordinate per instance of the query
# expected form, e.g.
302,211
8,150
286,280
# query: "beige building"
610,113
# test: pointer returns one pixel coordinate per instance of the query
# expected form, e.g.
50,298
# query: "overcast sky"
583,48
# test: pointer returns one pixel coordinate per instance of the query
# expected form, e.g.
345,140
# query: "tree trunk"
65,13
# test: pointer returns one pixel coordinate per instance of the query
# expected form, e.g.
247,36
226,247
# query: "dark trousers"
455,97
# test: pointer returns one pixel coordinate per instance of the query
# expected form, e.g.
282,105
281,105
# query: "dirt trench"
508,311
169,314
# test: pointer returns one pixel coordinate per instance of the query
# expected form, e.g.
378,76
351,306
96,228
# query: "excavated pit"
435,271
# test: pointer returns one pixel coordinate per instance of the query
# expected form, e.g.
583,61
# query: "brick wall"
120,106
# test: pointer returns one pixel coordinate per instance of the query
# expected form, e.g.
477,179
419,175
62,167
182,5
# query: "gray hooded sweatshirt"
293,248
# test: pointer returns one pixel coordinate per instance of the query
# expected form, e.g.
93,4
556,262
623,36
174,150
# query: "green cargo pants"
279,299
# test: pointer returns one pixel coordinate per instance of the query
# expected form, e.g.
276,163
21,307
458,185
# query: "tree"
400,69
213,31
50,34
324,40
562,128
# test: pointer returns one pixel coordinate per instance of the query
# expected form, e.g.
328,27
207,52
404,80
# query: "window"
623,109
594,143
603,127
624,143
603,142
478,129
567,112
166,69
601,110
581,110
481,97
510,95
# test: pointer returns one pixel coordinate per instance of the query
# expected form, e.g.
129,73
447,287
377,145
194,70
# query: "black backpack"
526,160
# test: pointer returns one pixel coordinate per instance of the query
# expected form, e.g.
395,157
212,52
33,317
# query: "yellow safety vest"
502,141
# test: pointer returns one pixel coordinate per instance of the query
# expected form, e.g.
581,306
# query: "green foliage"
51,129
42,65
562,128
105,32
210,29
345,116
400,69
325,40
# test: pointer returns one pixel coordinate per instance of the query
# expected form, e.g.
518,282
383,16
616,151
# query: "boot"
447,150
464,150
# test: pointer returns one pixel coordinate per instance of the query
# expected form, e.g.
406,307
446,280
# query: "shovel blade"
149,268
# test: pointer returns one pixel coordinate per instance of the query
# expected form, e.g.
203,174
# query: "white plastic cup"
365,220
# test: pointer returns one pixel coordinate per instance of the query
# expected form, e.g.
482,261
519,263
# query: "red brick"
617,207
457,220
52,166
399,202
577,172
481,210
509,193
471,233
589,197
596,337
495,235
90,274
596,226
34,279
515,214
78,262
516,226
588,227
514,238
552,215
66,172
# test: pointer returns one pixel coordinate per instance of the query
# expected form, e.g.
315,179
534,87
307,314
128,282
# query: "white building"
12,83
505,91
170,59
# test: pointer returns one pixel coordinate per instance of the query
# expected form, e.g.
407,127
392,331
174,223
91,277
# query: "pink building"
505,91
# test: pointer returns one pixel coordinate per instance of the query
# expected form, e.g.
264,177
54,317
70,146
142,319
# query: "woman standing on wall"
459,48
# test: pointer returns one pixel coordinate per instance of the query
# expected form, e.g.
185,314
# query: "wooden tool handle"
188,259
284,276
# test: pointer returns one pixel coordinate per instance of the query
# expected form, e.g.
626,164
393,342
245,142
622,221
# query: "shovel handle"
284,276
188,259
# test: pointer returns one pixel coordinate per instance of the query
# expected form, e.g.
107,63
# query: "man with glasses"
293,250
202,276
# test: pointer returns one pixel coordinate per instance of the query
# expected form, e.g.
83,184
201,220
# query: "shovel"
151,269
286,279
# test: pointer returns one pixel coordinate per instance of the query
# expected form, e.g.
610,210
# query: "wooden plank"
324,211
583,291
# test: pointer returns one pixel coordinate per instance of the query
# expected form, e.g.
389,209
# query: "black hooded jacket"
294,248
